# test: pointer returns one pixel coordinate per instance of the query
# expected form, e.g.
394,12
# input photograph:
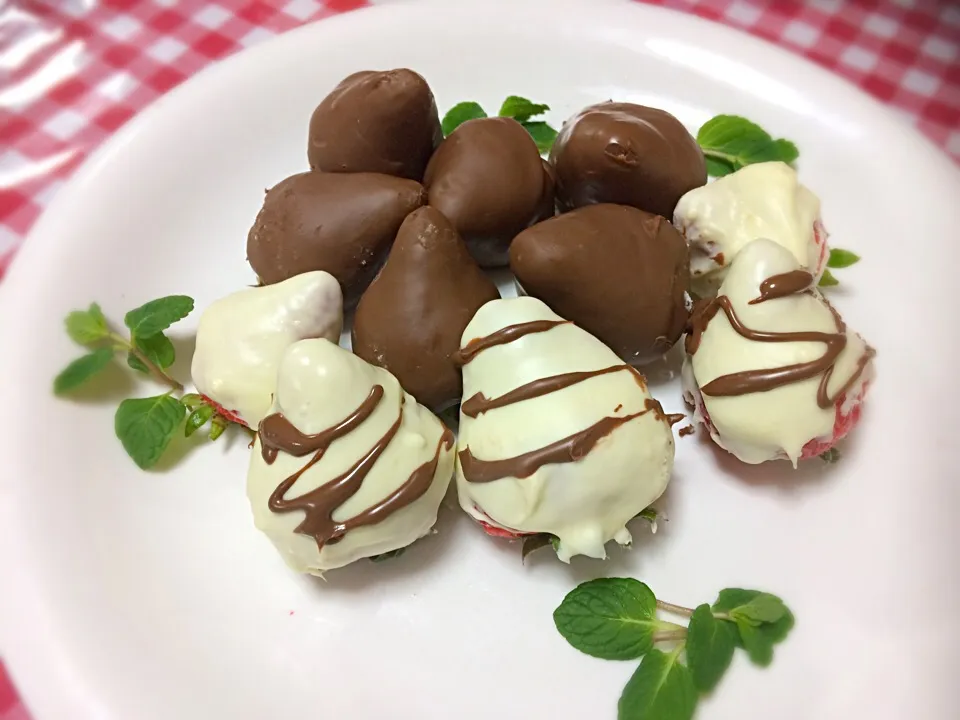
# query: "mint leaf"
158,349
531,543
81,370
157,315
87,326
764,608
828,280
145,426
197,419
840,258
459,114
543,135
521,109
758,645
609,618
660,689
758,640
710,647
735,141
786,151
717,167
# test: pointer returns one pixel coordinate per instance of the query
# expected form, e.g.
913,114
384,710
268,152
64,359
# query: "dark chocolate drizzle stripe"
502,336
277,433
569,449
762,380
320,503
480,403
778,286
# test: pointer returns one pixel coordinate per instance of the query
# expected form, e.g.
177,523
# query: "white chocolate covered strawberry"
243,335
346,465
557,434
772,370
765,200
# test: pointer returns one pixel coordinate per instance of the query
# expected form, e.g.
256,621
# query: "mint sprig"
144,426
616,619
730,142
519,108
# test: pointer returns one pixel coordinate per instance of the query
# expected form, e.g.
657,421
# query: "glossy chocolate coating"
488,178
627,154
339,222
383,122
410,319
619,273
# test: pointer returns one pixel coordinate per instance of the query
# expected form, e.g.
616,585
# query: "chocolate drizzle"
778,286
654,406
764,379
502,336
319,504
277,433
480,403
569,449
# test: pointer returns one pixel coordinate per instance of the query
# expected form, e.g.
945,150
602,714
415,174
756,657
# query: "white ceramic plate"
150,595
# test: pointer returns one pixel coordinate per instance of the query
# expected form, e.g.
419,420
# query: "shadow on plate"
665,370
184,345
779,473
114,383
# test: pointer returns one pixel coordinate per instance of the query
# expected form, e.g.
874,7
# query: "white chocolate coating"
776,423
765,200
584,503
320,384
242,337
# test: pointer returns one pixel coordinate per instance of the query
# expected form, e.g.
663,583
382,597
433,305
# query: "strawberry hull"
230,415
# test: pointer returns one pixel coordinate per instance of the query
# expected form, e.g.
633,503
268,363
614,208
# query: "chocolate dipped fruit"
346,465
343,223
772,370
628,154
557,434
488,178
409,321
618,272
383,122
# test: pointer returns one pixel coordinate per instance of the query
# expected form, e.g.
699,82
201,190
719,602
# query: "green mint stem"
158,374
675,609
723,616
668,635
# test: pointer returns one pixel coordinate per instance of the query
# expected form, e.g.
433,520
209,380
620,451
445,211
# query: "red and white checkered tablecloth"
73,71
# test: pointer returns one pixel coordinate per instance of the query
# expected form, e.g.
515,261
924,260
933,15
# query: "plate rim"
32,660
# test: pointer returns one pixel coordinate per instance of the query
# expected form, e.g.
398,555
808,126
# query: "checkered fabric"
73,71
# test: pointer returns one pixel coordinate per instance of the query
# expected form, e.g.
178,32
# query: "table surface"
73,71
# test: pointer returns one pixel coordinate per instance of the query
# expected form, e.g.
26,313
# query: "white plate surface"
150,595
